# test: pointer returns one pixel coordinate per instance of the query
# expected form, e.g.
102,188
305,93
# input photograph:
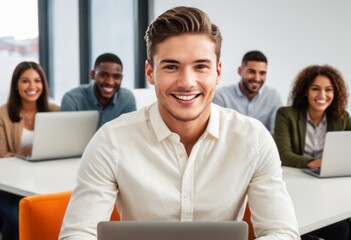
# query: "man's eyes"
200,66
171,67
102,74
196,67
114,76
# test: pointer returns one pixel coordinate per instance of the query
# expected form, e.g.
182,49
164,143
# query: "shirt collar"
162,131
159,126
214,122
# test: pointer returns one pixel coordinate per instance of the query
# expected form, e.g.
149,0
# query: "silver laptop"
62,134
336,159
135,230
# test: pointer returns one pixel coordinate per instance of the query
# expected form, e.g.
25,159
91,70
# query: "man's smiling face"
185,75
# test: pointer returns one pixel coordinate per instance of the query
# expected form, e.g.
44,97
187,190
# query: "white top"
27,138
138,159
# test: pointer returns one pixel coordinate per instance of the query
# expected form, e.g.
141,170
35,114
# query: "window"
112,31
18,38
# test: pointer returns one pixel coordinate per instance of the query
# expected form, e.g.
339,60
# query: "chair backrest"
40,216
247,218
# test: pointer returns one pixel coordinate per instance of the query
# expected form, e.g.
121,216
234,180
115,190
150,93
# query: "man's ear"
219,73
240,70
92,74
149,73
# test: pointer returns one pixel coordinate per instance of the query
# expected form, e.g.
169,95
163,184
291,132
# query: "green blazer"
290,132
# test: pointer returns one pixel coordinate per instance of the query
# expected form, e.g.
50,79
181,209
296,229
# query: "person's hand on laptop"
26,151
315,163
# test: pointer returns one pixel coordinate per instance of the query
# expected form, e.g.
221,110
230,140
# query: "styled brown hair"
177,21
304,80
14,103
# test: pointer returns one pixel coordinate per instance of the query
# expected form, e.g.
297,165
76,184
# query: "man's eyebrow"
169,61
205,60
254,70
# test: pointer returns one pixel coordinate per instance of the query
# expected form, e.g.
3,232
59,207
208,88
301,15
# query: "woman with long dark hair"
28,95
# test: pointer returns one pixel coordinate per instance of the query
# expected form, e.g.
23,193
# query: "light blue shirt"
83,98
263,106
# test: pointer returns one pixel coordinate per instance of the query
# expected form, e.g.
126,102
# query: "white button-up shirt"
138,162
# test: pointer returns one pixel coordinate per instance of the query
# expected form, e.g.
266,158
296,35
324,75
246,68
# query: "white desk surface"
27,178
317,202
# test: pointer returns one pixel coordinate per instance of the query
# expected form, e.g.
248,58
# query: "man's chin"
255,90
107,97
185,116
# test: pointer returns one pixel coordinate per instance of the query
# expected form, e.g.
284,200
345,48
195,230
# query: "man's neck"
188,131
103,102
189,134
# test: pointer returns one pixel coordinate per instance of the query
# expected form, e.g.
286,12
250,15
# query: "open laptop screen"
62,134
336,156
134,230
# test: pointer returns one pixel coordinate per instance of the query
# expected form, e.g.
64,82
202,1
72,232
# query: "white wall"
292,34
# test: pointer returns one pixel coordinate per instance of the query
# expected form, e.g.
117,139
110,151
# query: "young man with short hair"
182,158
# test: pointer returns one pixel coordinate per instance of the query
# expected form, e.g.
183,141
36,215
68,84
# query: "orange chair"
247,218
40,216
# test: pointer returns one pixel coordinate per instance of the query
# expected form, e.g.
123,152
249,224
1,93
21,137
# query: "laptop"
135,230
59,135
336,159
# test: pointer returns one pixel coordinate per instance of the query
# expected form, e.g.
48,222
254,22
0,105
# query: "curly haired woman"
318,104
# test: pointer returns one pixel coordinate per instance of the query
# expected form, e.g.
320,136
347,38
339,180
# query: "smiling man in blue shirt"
105,94
250,97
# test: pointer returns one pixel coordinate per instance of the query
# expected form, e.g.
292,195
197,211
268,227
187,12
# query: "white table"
27,178
318,202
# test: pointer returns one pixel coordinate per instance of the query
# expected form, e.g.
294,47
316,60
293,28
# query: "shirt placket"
187,194
187,181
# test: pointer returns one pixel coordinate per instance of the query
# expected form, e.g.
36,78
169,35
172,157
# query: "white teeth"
321,101
31,92
186,98
107,89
